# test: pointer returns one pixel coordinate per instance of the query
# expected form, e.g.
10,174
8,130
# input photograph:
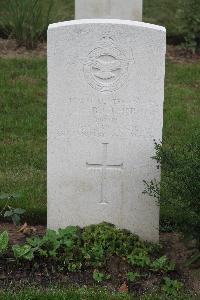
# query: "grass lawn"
182,102
23,125
23,133
81,294
181,128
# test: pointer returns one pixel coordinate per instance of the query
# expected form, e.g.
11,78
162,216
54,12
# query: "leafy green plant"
189,14
9,211
70,239
63,245
51,243
73,249
99,276
105,240
26,20
92,246
94,255
133,276
179,192
23,252
8,197
45,246
73,267
171,287
139,259
4,239
15,214
162,264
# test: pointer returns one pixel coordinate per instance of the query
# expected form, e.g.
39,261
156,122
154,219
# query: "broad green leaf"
52,253
4,196
24,251
68,231
16,219
69,243
15,195
43,252
19,211
29,255
8,213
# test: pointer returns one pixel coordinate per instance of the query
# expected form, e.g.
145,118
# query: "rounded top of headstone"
106,21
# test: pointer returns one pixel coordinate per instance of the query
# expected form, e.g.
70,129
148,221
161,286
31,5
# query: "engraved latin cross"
104,166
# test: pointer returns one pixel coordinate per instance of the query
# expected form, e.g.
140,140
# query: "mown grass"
23,133
181,125
23,125
81,294
182,102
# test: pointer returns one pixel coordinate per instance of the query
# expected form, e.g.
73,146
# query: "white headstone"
109,9
105,107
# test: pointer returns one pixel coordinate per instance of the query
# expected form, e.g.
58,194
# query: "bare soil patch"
180,251
176,54
9,49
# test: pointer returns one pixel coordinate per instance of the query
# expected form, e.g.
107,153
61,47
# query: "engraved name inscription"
120,110
102,116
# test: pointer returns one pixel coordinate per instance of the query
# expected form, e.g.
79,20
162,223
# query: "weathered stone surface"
105,107
109,9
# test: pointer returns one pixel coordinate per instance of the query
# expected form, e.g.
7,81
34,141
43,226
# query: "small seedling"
9,211
99,276
73,267
140,259
132,276
171,287
162,264
14,214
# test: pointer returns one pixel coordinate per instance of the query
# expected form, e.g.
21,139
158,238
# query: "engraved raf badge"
106,68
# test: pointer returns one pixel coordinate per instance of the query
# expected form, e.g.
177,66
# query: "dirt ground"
180,250
9,49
